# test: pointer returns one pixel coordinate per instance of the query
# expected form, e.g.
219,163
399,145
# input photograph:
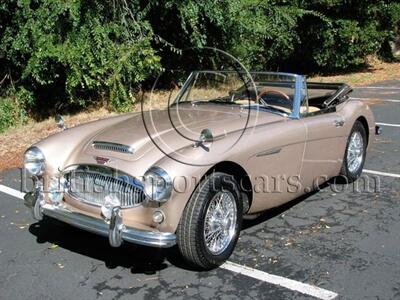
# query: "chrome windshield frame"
298,96
299,81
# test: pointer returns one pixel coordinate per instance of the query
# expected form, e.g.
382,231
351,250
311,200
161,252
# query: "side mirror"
206,136
60,121
205,141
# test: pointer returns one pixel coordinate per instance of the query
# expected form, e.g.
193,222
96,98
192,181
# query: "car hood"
171,130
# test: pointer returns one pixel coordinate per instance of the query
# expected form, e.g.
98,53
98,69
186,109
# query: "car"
230,146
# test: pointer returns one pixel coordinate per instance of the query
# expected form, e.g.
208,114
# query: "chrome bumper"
378,130
115,230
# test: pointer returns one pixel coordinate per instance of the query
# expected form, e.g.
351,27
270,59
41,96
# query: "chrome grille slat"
114,147
92,187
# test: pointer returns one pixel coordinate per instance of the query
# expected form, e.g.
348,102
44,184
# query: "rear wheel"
354,156
211,222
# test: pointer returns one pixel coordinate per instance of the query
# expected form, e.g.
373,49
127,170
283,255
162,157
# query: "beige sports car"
229,146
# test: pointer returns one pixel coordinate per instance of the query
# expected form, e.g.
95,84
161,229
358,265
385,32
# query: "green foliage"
82,50
70,54
354,31
13,107
300,36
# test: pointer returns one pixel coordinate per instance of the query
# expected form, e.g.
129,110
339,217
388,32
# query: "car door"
275,163
325,140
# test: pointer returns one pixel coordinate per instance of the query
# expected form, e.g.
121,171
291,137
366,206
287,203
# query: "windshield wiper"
216,101
222,101
271,107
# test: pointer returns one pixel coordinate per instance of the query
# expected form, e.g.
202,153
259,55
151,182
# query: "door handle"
338,123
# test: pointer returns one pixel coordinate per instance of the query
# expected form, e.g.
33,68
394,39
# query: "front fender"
186,175
59,147
357,109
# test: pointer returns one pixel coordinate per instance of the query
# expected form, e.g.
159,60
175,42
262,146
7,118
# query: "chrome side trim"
98,226
269,152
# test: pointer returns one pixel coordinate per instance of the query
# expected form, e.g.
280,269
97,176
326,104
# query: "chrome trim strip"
98,226
269,152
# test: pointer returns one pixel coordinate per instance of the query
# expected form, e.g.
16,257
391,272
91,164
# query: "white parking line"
377,87
12,192
388,124
233,267
377,98
281,281
382,173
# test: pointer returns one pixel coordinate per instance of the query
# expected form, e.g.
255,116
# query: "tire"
349,171
198,218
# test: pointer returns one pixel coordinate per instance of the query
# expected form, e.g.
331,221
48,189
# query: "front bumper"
115,230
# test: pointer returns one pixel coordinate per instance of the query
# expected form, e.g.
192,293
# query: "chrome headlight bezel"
157,184
34,161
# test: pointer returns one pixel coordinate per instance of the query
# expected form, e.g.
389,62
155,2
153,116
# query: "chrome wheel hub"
220,222
355,152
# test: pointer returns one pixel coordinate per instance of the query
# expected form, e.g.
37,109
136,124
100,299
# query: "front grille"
92,187
108,146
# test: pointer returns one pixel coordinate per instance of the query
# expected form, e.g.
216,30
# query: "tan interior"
303,109
311,109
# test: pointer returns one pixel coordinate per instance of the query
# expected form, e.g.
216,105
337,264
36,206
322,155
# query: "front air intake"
107,146
94,185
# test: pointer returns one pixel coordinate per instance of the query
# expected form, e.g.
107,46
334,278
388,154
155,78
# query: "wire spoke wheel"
220,222
355,152
210,224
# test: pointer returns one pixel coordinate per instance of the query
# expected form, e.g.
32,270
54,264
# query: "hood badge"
102,160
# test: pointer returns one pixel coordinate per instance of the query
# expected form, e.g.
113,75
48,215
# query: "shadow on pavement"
276,211
139,259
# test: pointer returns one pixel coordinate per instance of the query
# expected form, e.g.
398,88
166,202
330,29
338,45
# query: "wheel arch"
240,175
364,122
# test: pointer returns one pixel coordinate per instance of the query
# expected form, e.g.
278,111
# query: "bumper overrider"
115,229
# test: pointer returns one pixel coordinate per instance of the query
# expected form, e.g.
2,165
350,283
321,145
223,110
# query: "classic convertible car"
230,146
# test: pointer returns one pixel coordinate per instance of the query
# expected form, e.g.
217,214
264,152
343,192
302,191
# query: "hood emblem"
102,160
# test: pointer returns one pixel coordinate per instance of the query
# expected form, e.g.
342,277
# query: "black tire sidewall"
220,182
352,176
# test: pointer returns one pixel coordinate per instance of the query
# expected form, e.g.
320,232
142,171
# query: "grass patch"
375,72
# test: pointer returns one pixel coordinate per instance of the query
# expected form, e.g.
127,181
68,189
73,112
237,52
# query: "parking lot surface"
343,239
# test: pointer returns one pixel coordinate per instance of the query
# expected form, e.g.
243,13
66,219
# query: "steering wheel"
266,91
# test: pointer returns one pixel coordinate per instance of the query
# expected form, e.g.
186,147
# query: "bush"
72,54
353,32
13,110
76,52
306,36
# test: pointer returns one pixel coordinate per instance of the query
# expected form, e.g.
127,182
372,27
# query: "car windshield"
261,90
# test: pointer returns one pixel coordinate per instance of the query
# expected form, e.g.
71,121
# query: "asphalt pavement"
339,239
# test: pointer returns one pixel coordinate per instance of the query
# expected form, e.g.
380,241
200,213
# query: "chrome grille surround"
91,184
108,146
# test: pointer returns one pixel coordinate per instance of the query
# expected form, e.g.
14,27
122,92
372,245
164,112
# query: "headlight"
157,184
57,187
34,161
